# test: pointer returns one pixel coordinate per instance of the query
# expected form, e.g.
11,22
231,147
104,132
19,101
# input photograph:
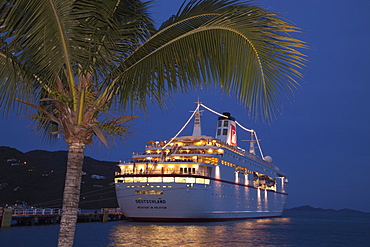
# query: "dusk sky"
321,140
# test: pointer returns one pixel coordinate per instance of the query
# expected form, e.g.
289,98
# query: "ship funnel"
226,129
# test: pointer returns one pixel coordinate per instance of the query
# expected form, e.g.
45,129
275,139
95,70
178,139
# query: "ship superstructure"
201,178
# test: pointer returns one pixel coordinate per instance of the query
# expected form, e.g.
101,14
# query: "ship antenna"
252,141
256,140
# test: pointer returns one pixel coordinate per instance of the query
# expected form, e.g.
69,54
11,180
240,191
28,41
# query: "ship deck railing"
170,159
151,162
177,152
218,144
184,152
160,173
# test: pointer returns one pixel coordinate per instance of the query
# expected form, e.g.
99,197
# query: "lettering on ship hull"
150,201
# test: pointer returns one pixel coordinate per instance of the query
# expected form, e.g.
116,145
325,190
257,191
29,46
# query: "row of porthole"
151,186
230,196
245,198
240,188
245,161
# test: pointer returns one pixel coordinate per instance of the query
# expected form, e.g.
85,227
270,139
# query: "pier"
42,216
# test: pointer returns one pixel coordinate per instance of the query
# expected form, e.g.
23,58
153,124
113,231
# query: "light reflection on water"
295,229
237,233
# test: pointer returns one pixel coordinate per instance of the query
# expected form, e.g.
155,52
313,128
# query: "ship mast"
251,145
197,130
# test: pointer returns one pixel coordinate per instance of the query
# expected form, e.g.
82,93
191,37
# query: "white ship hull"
200,178
195,202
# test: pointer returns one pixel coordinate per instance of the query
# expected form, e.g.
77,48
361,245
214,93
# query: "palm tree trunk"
71,196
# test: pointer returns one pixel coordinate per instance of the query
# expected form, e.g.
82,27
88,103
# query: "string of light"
209,109
241,126
183,127
217,113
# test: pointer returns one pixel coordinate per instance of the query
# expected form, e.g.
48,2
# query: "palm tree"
75,61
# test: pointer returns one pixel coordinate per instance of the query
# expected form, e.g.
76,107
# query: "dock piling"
7,217
105,215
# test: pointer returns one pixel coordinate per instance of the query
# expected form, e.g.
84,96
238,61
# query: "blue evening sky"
322,138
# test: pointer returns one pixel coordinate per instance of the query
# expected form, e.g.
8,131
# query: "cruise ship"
201,178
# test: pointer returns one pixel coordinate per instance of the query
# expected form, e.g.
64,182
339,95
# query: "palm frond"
85,57
244,49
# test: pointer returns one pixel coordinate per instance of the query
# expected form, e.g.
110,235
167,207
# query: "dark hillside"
37,178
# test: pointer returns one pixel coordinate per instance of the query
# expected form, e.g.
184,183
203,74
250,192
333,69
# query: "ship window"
190,180
168,180
193,170
138,179
155,179
148,192
219,123
184,180
180,180
224,132
218,132
181,170
226,123
202,181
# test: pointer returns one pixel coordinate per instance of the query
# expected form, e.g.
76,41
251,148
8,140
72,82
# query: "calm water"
293,229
